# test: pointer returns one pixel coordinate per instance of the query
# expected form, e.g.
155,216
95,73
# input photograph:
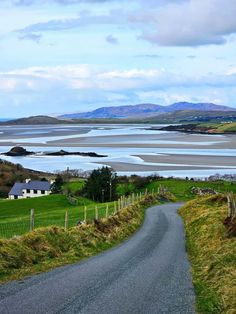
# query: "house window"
28,191
42,192
15,197
35,191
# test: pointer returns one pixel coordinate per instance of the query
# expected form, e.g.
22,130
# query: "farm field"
182,188
49,210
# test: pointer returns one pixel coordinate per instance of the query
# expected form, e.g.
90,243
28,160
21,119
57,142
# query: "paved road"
149,273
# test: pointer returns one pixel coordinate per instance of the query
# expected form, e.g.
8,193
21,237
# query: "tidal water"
123,144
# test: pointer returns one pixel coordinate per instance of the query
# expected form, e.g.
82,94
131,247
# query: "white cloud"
86,77
190,22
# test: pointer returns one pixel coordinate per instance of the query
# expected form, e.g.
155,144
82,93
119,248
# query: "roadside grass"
49,210
212,254
46,248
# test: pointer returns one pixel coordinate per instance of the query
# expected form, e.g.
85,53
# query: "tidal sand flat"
129,149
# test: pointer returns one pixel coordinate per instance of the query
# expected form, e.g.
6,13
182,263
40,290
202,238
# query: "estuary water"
130,149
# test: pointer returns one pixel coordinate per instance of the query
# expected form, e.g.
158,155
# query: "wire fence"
66,218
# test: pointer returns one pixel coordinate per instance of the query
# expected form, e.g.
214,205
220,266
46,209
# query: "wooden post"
114,207
85,214
32,219
96,212
107,211
229,205
66,220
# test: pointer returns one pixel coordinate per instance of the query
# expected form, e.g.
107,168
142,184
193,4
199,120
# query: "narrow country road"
149,273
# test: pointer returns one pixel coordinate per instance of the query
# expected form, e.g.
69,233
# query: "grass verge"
212,254
46,248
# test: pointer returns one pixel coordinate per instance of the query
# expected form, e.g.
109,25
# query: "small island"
19,151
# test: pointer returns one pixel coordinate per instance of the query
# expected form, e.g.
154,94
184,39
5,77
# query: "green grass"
49,210
47,248
74,186
125,189
212,254
220,127
182,188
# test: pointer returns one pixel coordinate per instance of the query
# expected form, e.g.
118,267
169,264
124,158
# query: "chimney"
27,180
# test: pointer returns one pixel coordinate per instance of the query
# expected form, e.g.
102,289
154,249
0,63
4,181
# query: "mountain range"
143,110
182,112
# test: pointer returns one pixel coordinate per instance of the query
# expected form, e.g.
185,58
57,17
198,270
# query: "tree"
101,185
57,185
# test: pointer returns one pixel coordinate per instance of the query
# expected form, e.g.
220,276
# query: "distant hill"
118,112
35,120
189,116
146,113
143,110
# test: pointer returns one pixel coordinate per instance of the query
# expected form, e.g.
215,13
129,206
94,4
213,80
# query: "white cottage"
30,189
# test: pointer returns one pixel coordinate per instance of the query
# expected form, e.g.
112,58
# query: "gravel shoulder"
149,273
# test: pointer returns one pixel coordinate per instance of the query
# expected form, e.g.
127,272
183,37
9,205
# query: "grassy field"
74,186
212,254
49,210
182,188
220,127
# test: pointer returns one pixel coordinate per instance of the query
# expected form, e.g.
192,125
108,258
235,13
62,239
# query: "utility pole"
110,190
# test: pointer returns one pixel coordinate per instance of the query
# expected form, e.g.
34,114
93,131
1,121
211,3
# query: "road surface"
149,273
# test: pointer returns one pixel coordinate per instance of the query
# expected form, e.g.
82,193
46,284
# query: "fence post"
107,211
32,219
114,207
66,220
96,212
85,214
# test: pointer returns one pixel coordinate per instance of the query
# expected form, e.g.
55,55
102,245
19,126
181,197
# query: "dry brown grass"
46,248
212,253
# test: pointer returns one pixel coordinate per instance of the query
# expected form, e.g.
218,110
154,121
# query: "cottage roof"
31,185
37,185
17,189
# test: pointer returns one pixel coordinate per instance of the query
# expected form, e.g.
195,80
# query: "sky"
65,56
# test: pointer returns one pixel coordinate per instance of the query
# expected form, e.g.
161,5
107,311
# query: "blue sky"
61,56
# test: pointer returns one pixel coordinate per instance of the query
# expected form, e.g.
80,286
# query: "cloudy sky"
61,56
